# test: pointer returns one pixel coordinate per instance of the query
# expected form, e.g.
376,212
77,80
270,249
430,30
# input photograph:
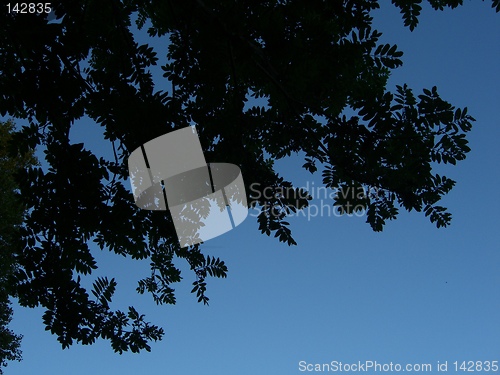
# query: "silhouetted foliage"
11,217
310,59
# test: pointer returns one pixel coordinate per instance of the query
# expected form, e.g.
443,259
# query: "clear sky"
412,294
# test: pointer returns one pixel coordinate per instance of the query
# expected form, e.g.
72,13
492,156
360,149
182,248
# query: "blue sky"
411,294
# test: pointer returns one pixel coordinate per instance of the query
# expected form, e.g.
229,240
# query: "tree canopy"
311,60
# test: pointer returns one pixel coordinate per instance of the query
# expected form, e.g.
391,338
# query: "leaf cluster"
12,212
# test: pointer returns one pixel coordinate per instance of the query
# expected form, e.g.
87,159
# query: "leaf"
104,290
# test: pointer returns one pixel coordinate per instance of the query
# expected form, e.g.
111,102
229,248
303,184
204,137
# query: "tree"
11,216
311,60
